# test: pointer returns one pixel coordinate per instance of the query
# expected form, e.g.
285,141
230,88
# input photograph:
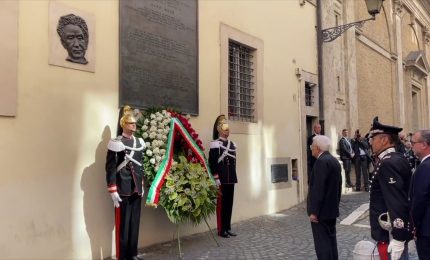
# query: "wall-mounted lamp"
373,8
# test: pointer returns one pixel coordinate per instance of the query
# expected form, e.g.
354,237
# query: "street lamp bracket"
330,34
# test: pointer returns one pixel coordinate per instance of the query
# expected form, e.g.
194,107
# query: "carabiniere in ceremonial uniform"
389,207
124,176
222,161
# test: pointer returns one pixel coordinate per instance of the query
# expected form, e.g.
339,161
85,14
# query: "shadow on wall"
98,207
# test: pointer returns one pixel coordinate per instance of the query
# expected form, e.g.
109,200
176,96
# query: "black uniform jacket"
325,188
129,179
421,199
389,192
225,169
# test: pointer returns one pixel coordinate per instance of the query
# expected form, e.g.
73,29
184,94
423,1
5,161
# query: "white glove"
116,199
396,249
217,182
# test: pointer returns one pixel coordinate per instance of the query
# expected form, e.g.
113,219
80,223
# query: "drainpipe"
320,65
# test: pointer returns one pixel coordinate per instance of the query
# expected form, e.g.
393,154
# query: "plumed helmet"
220,124
127,116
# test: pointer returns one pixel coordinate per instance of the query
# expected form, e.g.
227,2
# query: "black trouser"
127,220
361,169
423,248
324,234
225,207
347,168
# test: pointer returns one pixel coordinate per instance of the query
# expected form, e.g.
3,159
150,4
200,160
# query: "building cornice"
421,10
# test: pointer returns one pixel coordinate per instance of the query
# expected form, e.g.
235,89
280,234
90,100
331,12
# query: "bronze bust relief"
73,31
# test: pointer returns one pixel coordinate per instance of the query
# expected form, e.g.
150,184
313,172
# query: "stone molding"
398,7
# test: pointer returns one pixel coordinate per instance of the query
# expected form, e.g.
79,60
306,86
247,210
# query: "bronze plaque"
159,54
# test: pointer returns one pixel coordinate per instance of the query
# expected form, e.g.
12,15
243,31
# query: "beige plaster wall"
53,153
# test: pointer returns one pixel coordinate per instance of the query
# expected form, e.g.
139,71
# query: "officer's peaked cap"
379,128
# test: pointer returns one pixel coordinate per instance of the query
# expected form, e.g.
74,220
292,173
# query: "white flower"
156,151
169,114
148,145
164,137
158,158
160,131
160,118
152,129
159,136
164,111
152,116
166,131
155,143
145,135
148,152
146,121
188,116
153,122
152,161
144,127
157,114
152,135
156,168
162,151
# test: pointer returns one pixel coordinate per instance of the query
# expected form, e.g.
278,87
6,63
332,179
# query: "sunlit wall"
54,199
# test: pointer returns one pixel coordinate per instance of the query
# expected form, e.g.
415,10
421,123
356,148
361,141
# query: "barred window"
309,93
241,84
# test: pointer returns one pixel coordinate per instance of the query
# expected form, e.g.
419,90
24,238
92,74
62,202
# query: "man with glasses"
420,193
389,193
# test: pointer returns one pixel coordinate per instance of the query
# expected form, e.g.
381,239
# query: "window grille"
241,84
309,94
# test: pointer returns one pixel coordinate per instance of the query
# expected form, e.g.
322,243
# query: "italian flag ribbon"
165,166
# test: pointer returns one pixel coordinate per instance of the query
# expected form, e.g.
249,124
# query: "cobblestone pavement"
283,235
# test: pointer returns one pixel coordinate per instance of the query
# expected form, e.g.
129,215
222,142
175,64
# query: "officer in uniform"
389,208
124,176
222,161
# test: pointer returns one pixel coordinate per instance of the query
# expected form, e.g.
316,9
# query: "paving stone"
284,235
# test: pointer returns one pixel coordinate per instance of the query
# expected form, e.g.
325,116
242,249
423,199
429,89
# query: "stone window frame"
228,33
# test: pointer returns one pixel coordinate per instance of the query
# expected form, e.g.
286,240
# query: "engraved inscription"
158,54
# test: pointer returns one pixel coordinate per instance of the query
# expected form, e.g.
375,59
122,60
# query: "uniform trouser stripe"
128,234
218,212
227,206
117,231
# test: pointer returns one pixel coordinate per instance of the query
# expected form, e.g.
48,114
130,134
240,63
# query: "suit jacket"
311,159
357,144
345,149
420,192
325,188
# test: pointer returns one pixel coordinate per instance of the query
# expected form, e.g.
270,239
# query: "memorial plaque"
159,54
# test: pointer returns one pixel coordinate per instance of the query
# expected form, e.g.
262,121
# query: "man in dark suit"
346,154
311,159
323,198
389,193
360,148
420,193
